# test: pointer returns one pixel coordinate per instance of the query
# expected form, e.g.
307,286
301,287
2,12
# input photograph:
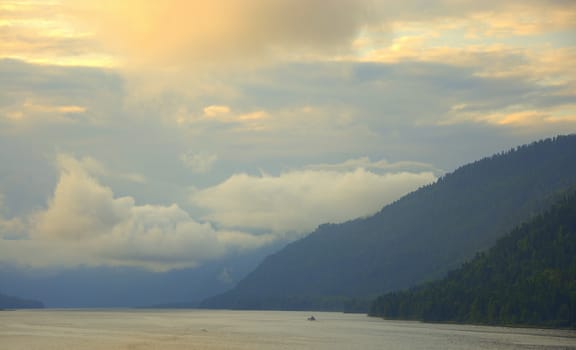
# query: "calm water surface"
171,330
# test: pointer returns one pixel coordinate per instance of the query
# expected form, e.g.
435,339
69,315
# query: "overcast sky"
164,134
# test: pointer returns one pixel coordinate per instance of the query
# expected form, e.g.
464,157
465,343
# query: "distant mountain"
528,278
10,302
415,239
89,287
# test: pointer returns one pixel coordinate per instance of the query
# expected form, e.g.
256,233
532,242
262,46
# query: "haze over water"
202,329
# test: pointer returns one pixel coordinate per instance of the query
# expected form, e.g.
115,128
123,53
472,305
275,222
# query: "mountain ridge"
12,302
527,278
417,238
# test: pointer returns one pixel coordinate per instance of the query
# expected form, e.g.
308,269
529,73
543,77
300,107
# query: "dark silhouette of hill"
418,238
11,302
527,278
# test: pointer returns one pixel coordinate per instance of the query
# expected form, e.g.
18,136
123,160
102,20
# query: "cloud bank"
85,223
301,200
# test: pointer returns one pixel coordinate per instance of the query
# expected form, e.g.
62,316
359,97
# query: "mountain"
527,278
89,287
418,238
10,302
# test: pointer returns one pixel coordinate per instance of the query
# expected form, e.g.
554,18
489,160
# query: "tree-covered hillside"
11,302
418,238
528,278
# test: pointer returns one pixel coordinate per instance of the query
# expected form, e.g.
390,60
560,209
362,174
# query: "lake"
206,329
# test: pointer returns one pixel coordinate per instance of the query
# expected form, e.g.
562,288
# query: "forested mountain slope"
528,278
418,238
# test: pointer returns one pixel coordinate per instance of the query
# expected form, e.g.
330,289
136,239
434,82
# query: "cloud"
215,111
29,111
10,228
420,10
182,31
196,34
519,116
86,224
199,163
366,163
35,94
543,63
93,166
524,20
191,32
81,207
38,32
298,201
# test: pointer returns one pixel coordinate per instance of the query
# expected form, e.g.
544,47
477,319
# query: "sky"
164,135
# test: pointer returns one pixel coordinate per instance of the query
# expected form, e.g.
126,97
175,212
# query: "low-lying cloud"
85,223
298,201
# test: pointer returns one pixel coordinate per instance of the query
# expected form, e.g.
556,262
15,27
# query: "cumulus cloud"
81,208
298,201
85,224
